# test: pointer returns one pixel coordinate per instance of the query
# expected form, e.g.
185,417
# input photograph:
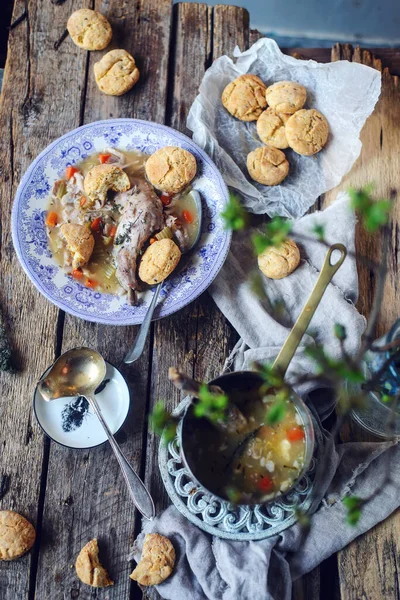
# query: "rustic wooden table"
73,496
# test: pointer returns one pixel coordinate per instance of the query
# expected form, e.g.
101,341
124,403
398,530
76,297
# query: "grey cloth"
216,569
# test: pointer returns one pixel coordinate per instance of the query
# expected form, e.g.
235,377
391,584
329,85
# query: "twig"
19,20
60,40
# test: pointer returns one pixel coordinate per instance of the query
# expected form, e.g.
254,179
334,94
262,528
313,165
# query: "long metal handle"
137,347
290,346
137,490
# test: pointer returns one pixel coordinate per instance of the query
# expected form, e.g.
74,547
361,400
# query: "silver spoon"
79,372
136,350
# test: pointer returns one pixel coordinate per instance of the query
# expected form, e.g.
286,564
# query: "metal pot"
244,380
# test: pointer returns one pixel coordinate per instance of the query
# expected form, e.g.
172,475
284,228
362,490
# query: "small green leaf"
276,412
374,213
233,494
319,231
162,422
274,234
210,405
340,332
234,215
303,519
353,506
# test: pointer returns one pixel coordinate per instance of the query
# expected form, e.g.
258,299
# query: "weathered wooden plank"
34,111
364,573
98,503
231,29
198,338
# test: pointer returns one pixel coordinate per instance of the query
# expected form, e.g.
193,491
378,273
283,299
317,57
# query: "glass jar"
376,414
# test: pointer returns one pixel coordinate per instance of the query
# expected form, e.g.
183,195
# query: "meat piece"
141,215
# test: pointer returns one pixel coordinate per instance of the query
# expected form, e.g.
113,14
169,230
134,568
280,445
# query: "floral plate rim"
125,320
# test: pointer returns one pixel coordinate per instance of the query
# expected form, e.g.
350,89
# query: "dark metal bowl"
241,381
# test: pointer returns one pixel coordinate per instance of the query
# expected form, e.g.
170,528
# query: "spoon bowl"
78,372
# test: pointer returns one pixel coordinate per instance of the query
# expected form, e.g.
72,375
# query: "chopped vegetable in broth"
69,204
258,460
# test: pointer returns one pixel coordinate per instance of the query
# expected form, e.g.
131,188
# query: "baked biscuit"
277,263
116,73
89,29
17,535
307,131
271,129
89,569
102,178
80,243
171,169
286,96
159,260
267,165
157,560
244,97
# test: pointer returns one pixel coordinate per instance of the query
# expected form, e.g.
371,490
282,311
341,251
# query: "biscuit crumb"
157,561
17,535
89,569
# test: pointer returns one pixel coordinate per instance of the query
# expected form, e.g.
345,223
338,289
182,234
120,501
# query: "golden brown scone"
80,242
171,169
267,165
271,129
284,117
277,263
89,29
157,560
244,97
102,178
286,96
89,569
116,72
307,131
159,260
17,535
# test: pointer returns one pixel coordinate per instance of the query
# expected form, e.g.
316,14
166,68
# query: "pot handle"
290,346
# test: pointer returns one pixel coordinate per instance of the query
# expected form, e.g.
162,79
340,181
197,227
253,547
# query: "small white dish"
72,423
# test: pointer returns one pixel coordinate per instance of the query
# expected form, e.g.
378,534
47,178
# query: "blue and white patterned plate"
197,270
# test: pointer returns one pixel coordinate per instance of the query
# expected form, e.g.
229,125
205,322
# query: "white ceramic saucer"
72,423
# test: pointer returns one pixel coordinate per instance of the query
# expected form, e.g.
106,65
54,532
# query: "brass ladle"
79,372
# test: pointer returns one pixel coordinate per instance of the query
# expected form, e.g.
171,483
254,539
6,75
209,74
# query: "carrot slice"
265,484
295,434
91,283
77,274
51,219
166,199
82,201
113,231
187,216
103,158
70,172
153,240
96,224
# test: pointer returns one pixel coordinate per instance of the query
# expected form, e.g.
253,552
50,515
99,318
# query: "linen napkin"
210,568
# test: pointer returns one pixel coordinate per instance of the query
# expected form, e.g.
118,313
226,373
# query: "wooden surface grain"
34,111
73,496
369,567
